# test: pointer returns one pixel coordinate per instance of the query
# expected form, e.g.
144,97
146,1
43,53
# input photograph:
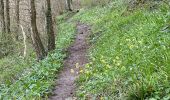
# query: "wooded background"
15,20
15,26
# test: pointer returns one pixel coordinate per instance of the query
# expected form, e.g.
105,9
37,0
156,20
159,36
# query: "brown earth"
65,84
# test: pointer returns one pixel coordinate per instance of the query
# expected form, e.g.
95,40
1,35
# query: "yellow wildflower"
81,71
101,98
77,65
87,72
87,65
72,71
131,46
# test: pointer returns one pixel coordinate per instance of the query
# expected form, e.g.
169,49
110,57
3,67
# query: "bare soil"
73,64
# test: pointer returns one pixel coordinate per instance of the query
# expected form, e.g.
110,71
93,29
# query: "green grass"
130,56
40,77
12,68
12,63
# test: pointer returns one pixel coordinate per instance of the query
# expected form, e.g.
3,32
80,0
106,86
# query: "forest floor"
73,65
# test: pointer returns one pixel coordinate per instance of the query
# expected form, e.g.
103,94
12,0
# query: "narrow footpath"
77,58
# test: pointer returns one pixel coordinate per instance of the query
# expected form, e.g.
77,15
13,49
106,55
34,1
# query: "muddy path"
77,58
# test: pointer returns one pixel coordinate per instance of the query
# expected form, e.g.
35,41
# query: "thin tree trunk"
69,2
2,17
39,48
24,41
7,17
50,29
17,18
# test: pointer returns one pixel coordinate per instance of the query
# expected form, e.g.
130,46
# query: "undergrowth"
130,54
39,78
12,62
11,68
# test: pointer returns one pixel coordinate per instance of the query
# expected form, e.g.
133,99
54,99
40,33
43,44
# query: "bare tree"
8,30
2,17
50,29
39,48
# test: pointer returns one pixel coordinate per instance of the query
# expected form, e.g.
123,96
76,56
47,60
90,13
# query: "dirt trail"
65,88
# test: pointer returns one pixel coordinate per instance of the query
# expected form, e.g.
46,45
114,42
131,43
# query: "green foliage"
36,78
65,35
37,81
6,45
12,63
130,57
92,3
12,68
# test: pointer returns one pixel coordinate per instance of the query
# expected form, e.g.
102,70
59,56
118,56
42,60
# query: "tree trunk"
2,17
50,29
24,41
7,17
17,18
69,2
39,48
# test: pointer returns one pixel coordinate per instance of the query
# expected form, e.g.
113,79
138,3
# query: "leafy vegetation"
130,57
37,78
12,68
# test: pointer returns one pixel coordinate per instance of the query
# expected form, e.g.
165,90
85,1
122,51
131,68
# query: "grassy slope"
12,66
40,77
130,57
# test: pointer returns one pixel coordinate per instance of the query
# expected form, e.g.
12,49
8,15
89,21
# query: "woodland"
84,49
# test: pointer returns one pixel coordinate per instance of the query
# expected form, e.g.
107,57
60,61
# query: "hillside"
119,50
130,53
